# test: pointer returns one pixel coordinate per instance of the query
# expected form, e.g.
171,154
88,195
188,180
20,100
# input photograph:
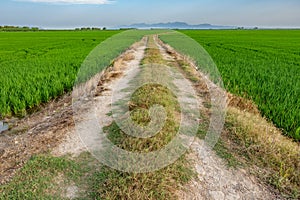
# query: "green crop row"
262,65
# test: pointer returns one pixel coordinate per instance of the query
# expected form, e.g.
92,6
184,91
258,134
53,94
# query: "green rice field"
262,65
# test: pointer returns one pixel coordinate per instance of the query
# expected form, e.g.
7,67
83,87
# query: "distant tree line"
18,28
243,28
89,29
26,28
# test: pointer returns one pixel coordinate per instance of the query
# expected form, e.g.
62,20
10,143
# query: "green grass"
36,180
48,177
262,65
112,184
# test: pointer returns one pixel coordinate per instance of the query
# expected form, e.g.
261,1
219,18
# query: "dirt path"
101,105
214,180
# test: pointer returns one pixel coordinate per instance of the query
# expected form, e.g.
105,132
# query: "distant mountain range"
176,25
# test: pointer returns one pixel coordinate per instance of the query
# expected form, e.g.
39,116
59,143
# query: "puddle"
3,126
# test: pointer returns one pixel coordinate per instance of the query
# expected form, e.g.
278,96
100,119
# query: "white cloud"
94,2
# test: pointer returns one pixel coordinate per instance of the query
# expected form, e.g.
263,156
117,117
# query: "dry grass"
242,103
120,62
264,145
112,184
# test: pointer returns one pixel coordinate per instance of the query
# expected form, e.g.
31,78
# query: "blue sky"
78,13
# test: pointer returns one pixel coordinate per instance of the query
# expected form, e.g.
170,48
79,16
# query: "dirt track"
52,129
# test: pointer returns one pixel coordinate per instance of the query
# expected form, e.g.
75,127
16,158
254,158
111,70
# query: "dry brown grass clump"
242,103
265,146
